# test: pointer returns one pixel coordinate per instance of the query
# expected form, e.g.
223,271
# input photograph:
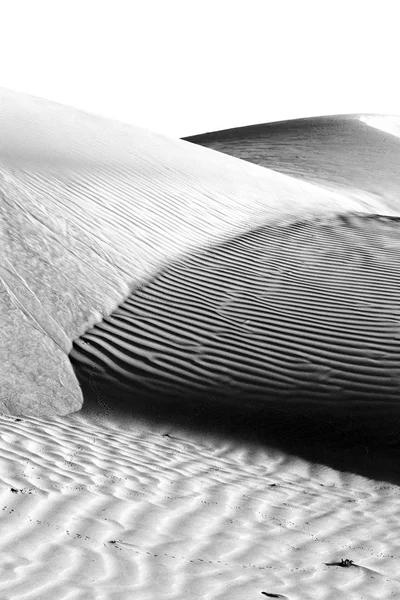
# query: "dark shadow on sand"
335,440
315,371
337,150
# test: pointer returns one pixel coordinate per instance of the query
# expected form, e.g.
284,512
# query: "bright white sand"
92,207
388,123
96,510
109,514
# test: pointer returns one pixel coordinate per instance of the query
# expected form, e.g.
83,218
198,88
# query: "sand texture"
199,359
96,512
354,154
91,208
302,318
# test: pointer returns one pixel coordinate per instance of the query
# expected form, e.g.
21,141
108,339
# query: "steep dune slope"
356,154
196,290
91,208
222,295
280,331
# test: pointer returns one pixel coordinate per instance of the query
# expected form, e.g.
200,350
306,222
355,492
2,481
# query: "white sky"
182,67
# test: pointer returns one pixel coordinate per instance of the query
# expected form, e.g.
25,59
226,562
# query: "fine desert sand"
200,359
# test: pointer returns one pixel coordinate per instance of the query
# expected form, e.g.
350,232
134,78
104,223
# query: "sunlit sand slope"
222,293
91,208
89,512
359,154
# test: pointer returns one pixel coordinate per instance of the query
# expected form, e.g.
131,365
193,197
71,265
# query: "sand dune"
355,154
92,208
300,320
96,512
234,338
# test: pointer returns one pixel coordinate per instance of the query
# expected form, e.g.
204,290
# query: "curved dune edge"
117,512
93,208
100,512
282,329
357,155
388,123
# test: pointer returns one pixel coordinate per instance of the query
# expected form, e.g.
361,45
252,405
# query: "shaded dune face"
91,208
199,290
344,152
279,325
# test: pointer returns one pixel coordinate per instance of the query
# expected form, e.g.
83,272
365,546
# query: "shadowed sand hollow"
200,359
291,327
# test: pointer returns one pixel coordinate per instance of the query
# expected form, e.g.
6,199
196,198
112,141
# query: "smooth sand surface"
235,335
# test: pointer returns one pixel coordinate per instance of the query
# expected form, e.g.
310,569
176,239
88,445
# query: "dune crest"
91,209
199,293
388,123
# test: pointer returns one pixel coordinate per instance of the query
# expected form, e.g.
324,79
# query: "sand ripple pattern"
96,512
91,208
305,314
